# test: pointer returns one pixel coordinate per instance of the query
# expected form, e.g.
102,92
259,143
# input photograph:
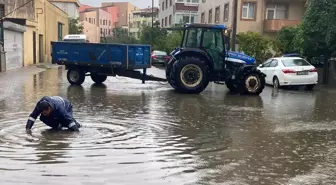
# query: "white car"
289,71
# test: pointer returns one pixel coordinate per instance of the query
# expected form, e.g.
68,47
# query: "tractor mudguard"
247,67
194,52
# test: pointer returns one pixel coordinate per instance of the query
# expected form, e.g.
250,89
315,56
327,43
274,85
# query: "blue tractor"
204,56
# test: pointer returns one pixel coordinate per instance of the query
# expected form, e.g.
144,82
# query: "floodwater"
137,133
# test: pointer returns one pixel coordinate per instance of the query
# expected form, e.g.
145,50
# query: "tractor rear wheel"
231,86
251,81
168,73
189,75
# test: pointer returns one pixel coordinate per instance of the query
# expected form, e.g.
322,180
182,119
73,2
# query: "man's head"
44,108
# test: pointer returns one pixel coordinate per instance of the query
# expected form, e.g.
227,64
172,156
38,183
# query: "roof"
67,1
202,25
279,58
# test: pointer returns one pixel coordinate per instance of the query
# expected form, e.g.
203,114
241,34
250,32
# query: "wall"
125,10
92,31
166,12
26,12
114,12
107,28
205,7
256,25
48,28
70,8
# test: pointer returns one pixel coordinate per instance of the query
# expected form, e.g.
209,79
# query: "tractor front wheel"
251,81
189,75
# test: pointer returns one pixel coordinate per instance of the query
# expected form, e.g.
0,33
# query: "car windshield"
160,53
294,62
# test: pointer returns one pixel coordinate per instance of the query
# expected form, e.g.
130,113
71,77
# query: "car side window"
267,63
274,63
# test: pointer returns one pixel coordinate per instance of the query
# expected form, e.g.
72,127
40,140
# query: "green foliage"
154,36
318,30
288,39
120,36
75,27
256,45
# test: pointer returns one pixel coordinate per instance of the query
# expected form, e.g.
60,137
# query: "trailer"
102,60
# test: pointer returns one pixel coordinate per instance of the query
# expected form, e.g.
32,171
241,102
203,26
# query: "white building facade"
71,7
216,12
173,12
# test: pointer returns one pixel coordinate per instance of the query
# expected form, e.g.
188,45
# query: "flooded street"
137,133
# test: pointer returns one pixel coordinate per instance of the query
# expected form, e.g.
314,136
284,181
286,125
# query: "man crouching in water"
56,112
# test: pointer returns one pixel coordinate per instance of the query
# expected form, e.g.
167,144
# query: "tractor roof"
202,25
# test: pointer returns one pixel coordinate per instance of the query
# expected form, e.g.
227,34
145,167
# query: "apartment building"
94,18
125,12
28,31
141,18
71,7
264,16
173,12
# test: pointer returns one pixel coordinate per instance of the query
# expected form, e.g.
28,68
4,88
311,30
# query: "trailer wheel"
76,76
97,78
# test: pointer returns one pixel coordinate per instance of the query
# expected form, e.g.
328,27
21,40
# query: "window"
274,63
165,21
276,11
2,10
170,21
109,23
203,1
195,1
203,17
162,25
226,12
193,38
210,16
166,4
171,3
192,19
162,5
213,39
186,19
217,13
101,22
101,30
294,62
249,10
89,20
60,31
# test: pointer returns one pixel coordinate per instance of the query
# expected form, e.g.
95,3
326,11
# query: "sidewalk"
29,70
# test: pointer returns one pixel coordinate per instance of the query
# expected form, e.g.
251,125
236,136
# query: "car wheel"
276,83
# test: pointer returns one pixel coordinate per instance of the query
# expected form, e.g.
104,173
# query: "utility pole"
234,25
152,13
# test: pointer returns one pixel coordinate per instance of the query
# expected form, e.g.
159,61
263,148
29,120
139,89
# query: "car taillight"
313,70
288,71
153,56
167,57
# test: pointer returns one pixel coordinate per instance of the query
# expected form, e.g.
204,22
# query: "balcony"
275,25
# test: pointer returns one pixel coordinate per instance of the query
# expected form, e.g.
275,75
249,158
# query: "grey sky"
138,3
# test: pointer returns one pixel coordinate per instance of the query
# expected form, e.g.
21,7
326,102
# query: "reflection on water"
137,133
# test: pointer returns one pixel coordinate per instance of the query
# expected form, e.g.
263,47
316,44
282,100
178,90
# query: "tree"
121,36
155,36
288,41
254,44
319,31
75,27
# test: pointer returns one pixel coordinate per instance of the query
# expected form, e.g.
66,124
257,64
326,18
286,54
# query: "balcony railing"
275,25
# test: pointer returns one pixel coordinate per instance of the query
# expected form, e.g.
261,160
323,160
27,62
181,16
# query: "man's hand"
28,131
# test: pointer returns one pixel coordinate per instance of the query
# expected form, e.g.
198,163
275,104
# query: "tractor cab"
208,38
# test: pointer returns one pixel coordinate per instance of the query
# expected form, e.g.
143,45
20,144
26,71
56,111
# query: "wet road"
147,134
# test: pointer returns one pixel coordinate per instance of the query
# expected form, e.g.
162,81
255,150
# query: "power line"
16,9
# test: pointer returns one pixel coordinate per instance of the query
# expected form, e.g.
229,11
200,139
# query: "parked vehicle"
289,71
75,38
160,57
203,57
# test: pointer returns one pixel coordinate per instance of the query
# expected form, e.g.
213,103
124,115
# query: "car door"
264,68
272,70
